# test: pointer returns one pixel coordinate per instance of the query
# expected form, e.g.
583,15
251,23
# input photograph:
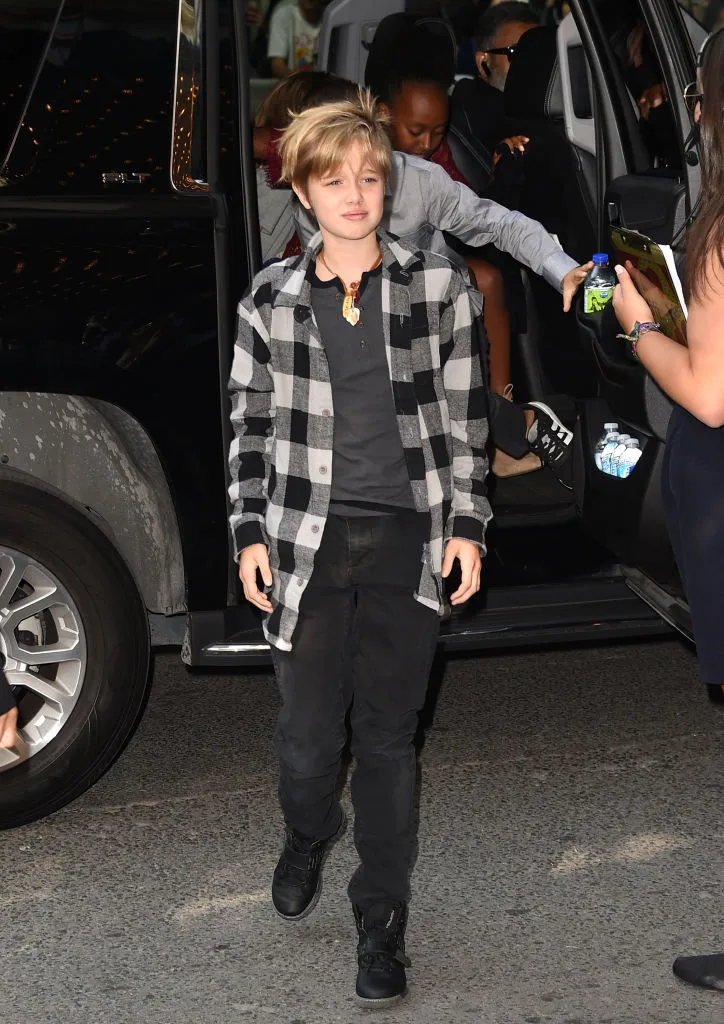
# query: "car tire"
105,624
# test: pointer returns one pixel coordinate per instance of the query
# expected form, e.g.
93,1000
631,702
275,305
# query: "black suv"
128,232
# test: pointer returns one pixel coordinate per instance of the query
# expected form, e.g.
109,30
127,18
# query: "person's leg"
395,639
693,498
311,730
496,318
508,426
311,734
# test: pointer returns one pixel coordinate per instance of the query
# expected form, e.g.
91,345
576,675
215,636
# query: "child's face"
347,202
419,114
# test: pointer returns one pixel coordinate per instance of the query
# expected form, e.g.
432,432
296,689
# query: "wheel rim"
43,644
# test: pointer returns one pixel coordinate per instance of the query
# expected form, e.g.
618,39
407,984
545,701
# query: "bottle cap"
600,258
610,426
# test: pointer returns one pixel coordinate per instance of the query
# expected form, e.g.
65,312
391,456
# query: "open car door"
647,181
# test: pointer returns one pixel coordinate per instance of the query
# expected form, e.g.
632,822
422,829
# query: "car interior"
593,162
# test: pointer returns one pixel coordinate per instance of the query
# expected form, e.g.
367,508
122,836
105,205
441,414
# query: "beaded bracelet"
633,338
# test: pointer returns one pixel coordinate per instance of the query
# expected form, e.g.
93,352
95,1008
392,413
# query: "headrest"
412,42
533,88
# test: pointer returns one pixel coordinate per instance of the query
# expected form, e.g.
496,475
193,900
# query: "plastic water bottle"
610,433
630,457
616,454
599,284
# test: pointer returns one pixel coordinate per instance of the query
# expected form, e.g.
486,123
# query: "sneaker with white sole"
550,439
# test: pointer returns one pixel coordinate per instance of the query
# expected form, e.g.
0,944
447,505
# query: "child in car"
416,102
423,202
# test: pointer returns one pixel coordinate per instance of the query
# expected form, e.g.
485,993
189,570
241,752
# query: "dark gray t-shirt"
369,472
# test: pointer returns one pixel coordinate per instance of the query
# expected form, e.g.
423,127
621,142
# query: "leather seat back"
556,189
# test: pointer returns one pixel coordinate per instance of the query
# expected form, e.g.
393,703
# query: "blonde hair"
317,140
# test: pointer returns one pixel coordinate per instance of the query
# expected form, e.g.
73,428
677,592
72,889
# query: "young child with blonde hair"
358,478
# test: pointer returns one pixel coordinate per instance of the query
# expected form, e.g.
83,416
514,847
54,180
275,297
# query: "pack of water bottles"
616,454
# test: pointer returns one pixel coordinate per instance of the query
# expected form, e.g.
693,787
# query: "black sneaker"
297,881
381,956
706,971
550,439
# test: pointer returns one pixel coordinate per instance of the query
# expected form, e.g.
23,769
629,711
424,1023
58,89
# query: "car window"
96,98
708,13
25,29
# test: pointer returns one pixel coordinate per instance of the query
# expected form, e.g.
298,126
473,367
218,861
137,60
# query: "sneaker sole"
311,907
380,1004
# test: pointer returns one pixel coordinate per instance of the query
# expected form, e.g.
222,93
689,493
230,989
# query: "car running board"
588,610
671,607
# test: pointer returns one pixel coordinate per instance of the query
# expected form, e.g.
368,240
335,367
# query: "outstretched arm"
453,207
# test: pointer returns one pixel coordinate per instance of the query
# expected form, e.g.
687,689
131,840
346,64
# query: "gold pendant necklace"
350,310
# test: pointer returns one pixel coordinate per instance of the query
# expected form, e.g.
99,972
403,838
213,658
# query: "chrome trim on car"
188,80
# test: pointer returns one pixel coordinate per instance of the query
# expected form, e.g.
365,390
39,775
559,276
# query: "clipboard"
654,272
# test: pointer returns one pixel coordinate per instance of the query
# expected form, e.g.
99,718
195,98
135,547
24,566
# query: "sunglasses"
504,51
693,97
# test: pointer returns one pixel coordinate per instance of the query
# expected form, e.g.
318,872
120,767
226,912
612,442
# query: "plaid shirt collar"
295,286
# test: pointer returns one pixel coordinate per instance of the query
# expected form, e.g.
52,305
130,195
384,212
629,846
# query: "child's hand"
254,557
468,554
572,282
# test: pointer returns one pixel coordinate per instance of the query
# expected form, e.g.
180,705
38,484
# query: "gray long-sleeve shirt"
422,201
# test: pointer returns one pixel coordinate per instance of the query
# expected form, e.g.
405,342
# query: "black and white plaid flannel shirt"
283,416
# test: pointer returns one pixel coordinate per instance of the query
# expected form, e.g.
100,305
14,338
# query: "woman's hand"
513,142
628,303
9,729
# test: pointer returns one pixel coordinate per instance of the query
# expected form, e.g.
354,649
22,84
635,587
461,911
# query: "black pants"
693,495
507,426
362,643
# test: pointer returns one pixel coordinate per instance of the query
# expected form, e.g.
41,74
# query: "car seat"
557,190
558,178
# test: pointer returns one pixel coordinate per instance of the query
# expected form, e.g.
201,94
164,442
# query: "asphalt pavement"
571,842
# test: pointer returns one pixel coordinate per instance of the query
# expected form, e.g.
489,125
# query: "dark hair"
301,90
403,51
393,84
494,18
705,241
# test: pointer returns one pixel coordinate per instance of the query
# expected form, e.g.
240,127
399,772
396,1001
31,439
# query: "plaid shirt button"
315,528
322,470
326,412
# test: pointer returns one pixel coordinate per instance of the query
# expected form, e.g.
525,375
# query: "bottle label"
595,299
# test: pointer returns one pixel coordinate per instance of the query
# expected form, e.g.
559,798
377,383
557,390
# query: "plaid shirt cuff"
246,534
467,528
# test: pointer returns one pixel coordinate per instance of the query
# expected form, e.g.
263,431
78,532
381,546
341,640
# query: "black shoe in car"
297,880
381,959
551,439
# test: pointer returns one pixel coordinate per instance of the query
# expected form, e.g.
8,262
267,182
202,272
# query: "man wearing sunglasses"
481,99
